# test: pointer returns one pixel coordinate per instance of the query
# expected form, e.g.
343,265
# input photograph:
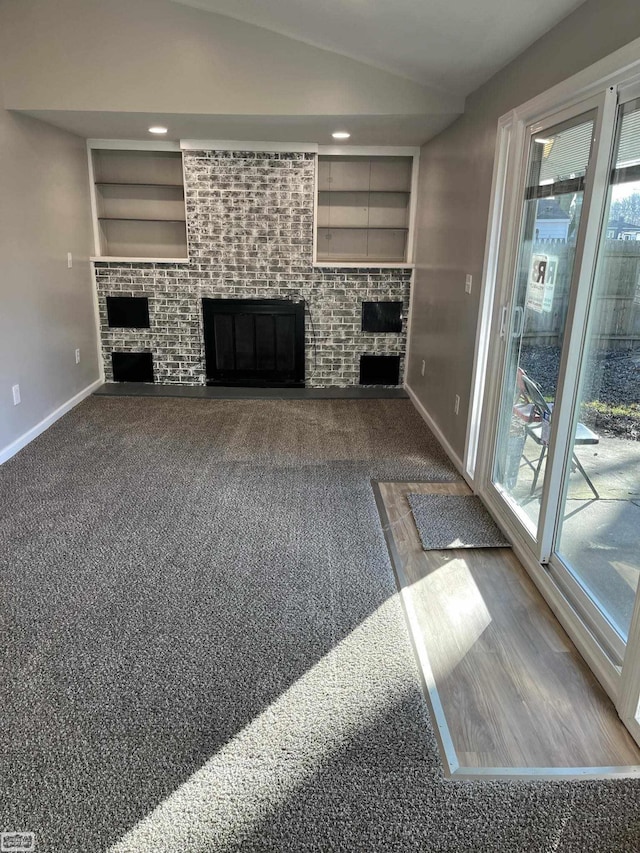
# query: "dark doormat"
454,521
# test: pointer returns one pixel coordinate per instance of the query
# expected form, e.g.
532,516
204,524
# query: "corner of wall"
48,303
435,429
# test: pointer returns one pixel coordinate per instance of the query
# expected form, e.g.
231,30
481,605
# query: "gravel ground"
614,380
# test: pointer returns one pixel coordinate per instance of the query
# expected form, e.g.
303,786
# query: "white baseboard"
11,449
435,429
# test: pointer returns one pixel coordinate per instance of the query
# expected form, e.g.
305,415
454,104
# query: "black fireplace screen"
254,342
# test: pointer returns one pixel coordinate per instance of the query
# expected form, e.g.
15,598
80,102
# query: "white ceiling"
453,44
365,130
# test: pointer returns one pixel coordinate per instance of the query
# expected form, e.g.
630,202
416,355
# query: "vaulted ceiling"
392,72
453,44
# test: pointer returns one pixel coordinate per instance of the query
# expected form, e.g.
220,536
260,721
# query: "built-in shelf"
139,204
364,208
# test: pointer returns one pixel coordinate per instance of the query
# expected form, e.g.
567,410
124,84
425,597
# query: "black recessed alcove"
382,316
128,312
132,366
379,369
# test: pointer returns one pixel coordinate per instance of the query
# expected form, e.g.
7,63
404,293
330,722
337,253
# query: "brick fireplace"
250,231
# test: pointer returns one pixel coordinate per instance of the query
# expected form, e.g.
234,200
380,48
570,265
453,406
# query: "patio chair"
536,413
523,408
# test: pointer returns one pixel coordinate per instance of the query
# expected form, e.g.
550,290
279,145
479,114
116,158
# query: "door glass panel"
598,539
552,206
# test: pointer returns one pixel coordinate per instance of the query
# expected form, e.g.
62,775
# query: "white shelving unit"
364,213
138,204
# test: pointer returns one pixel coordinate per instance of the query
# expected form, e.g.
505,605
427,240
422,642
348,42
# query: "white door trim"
620,69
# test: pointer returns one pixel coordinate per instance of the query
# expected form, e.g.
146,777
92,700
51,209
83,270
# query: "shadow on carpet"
203,647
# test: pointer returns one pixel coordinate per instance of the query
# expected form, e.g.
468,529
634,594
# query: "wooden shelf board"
362,262
136,184
363,265
359,228
135,219
131,260
368,192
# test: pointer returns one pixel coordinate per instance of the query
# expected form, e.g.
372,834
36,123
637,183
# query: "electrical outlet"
77,356
16,394
456,407
468,283
422,369
69,260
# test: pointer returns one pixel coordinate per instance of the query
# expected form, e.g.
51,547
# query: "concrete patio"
599,538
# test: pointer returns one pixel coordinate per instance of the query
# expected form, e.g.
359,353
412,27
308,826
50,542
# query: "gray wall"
250,227
46,309
158,56
455,184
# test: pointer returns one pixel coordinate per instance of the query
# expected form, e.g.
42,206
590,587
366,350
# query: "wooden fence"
617,302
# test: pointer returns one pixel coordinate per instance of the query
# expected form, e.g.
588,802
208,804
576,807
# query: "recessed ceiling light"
157,129
341,134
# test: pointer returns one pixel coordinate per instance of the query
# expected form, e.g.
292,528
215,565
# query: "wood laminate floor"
507,687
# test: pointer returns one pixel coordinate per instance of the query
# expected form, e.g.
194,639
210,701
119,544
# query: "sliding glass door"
559,451
558,160
597,555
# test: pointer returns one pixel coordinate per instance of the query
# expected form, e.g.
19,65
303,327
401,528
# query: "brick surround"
250,230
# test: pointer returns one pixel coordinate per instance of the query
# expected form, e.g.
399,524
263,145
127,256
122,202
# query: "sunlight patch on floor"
453,589
274,754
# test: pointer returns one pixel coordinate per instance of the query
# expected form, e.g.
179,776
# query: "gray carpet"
454,521
203,647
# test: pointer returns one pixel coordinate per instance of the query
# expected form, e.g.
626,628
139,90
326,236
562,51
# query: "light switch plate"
468,283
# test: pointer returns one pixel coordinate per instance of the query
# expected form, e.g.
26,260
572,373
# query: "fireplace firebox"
254,342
